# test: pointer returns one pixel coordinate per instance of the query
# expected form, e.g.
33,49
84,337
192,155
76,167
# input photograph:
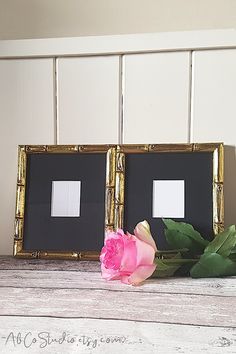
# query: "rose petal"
142,232
112,234
145,253
139,275
128,263
110,274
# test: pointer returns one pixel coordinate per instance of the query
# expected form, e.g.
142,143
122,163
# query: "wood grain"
109,336
174,315
87,303
9,262
93,280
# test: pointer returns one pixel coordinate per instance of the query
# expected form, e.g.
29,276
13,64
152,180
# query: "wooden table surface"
66,307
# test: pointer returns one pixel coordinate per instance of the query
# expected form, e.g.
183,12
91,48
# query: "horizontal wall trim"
119,44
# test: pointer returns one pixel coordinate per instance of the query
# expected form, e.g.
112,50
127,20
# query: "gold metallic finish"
35,148
25,150
170,148
110,188
95,148
62,148
119,190
110,171
21,166
218,203
19,229
215,163
217,150
27,254
119,216
218,227
110,228
120,162
120,178
18,245
89,256
20,201
115,187
218,186
58,255
205,147
221,163
110,205
133,148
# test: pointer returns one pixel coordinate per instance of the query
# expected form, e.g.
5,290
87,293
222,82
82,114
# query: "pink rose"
127,257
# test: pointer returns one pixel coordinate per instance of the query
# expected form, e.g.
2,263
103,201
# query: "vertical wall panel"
156,97
88,100
26,117
214,112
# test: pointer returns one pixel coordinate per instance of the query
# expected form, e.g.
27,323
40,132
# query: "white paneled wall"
26,117
113,90
88,100
214,112
156,97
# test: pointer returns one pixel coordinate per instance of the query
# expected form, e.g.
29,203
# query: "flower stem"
181,250
178,260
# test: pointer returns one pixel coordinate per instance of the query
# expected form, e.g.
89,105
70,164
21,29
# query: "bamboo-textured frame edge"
23,151
115,187
217,150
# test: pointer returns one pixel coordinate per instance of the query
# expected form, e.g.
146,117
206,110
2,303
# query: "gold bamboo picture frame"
25,152
215,152
115,188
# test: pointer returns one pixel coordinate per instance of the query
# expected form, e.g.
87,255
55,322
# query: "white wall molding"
119,44
110,90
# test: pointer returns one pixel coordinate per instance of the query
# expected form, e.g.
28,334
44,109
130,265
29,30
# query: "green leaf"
232,256
172,252
213,265
167,267
164,269
233,251
183,235
177,239
223,243
185,229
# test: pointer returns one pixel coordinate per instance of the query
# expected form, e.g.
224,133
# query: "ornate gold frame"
217,150
115,187
23,152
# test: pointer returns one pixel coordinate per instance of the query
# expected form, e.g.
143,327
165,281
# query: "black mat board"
194,168
46,233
